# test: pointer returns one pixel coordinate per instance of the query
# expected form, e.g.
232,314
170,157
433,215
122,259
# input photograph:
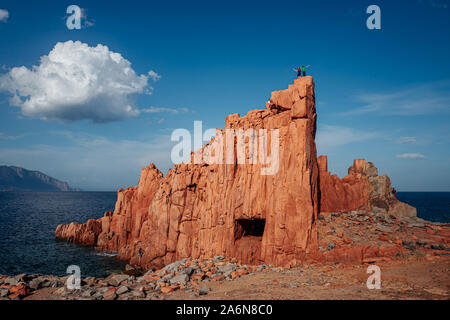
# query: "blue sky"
383,95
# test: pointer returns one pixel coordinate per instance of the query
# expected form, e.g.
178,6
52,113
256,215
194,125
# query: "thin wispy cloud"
406,140
86,22
153,75
5,136
164,110
413,156
330,136
416,100
439,4
4,15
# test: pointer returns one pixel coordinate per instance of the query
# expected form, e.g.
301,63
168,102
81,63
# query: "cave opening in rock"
249,228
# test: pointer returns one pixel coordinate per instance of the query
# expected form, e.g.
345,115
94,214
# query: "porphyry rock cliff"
231,208
202,210
361,189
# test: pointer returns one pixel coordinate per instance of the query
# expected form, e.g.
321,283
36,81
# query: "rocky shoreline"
349,242
220,279
133,283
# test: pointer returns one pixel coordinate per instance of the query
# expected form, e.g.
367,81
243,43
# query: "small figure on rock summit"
301,70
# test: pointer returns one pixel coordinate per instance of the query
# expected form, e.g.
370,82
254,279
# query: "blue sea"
28,221
27,233
431,206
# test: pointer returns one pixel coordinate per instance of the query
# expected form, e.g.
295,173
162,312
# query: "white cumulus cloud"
4,15
411,156
76,82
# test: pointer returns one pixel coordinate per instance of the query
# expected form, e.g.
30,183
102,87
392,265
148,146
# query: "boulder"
402,210
4,292
181,279
204,290
122,290
19,291
117,279
35,284
109,294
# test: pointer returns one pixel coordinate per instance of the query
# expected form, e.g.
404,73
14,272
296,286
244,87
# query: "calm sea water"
28,221
432,206
27,232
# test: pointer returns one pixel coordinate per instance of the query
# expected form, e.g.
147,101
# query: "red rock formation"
202,210
207,209
362,189
346,194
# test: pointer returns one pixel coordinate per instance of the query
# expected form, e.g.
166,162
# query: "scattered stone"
417,225
335,215
139,293
382,228
331,245
4,292
122,290
110,294
117,279
35,284
181,278
187,271
19,291
88,293
227,268
166,289
203,290
11,281
408,245
129,267
261,267
57,284
149,272
46,283
22,277
168,276
61,291
437,247
173,267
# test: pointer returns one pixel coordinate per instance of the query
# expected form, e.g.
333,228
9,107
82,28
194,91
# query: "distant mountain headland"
19,179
